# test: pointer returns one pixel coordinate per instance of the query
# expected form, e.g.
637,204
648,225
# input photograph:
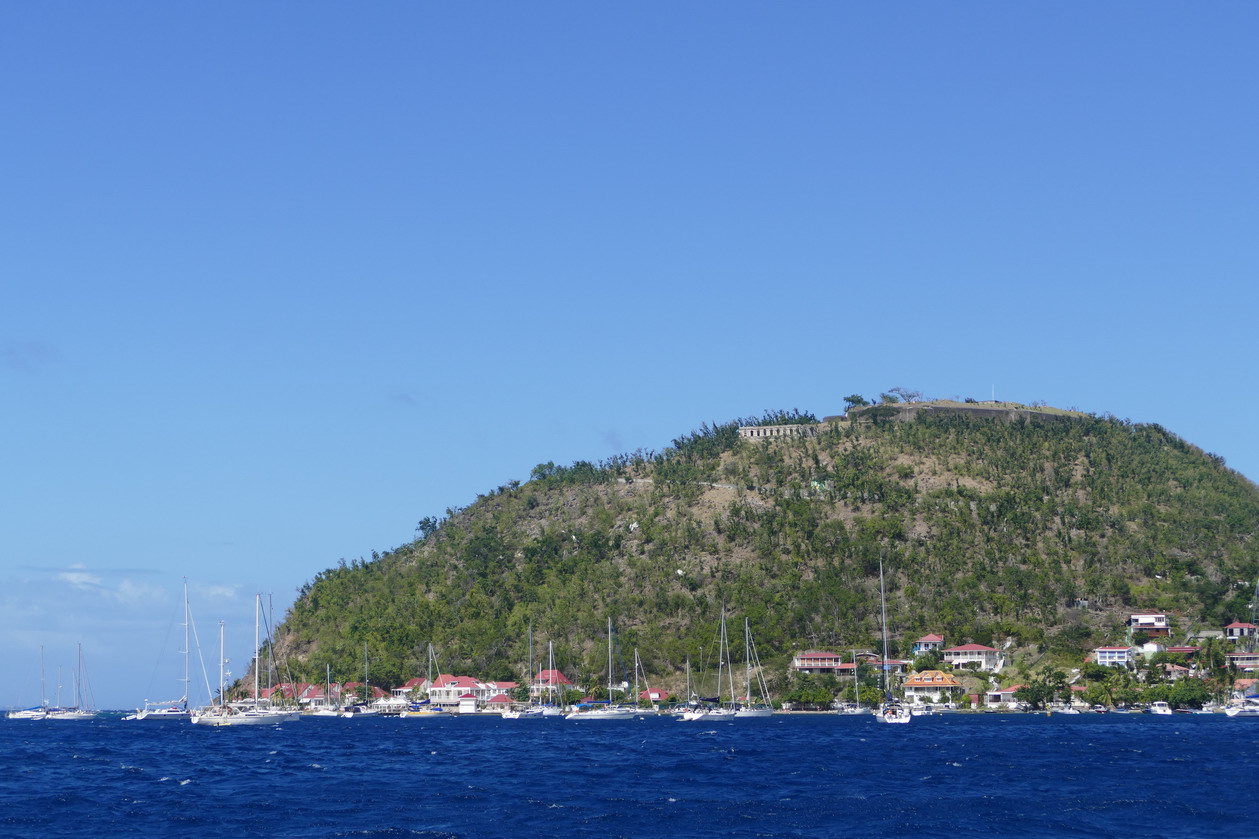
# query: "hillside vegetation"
1044,532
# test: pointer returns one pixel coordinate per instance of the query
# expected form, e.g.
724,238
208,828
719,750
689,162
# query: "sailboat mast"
747,655
222,687
257,645
609,662
550,666
187,681
883,610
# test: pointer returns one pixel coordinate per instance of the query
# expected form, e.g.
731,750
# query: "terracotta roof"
932,678
972,648
552,677
1240,625
930,639
501,699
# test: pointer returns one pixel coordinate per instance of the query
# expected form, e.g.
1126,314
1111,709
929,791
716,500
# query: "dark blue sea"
1016,775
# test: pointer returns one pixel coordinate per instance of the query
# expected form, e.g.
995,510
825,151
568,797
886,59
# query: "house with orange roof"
931,687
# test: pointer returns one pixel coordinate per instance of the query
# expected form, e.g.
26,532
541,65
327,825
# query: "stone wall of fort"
902,412
764,432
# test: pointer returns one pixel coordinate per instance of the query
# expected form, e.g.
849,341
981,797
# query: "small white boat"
713,713
1161,708
69,714
602,712
37,713
893,712
1249,707
745,711
176,710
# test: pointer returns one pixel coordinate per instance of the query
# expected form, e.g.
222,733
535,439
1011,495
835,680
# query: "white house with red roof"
1175,672
548,683
818,661
928,643
499,703
448,690
983,658
1002,698
1245,662
1238,632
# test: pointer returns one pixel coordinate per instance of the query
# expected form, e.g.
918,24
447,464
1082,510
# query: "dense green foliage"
1042,531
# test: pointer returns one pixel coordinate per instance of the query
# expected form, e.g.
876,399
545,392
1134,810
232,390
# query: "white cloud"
134,594
80,579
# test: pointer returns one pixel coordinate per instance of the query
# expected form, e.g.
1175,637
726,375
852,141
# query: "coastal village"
1147,666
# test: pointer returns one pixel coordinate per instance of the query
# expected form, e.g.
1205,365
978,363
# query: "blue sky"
281,280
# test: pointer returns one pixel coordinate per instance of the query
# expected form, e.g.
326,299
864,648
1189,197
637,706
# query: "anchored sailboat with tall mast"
601,711
175,709
80,710
252,711
890,710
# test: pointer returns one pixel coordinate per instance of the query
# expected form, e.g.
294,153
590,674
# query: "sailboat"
38,712
748,708
176,709
531,711
79,710
250,712
890,710
695,712
608,711
366,706
551,708
426,709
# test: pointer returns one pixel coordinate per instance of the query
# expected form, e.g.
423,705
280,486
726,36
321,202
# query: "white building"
1115,656
985,658
1153,625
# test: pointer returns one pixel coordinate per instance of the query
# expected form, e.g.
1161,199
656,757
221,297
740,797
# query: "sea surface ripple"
1021,775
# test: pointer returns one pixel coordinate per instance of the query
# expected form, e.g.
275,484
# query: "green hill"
1042,526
